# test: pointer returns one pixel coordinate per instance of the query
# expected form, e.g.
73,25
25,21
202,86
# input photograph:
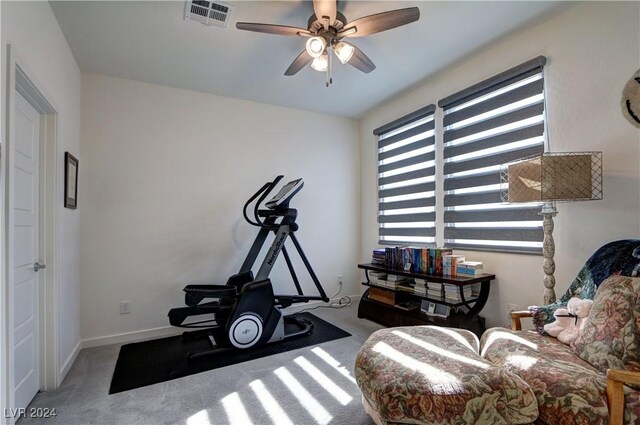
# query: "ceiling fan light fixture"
344,51
315,46
320,63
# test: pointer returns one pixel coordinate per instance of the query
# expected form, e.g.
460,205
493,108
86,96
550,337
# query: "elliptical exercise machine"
246,310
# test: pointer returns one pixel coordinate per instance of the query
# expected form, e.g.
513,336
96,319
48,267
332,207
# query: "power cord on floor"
342,302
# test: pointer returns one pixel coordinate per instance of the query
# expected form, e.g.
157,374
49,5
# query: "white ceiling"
150,41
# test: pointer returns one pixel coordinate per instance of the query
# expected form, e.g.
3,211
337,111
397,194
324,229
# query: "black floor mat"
150,362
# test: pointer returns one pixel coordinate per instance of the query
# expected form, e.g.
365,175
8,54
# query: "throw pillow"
610,338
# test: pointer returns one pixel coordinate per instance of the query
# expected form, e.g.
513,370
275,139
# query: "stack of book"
452,293
420,287
429,289
470,268
379,257
435,290
450,264
376,278
392,281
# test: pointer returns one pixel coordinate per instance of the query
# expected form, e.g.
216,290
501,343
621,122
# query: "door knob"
38,266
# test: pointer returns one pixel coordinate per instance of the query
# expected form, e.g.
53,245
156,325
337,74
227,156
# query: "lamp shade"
344,51
320,63
315,46
554,176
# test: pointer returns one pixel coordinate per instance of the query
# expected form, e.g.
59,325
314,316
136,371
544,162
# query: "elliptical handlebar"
264,191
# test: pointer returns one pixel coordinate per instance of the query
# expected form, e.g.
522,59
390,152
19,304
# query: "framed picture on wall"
70,181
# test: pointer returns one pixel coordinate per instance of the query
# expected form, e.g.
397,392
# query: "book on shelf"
385,284
424,260
379,257
438,253
470,268
393,257
452,292
396,278
435,285
430,291
450,287
450,264
469,272
377,275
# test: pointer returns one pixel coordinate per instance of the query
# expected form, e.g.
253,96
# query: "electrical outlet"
125,307
340,278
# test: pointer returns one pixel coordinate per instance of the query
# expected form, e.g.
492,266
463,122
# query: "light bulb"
344,51
315,46
320,63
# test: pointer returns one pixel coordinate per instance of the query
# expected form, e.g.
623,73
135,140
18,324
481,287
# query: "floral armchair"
610,342
619,257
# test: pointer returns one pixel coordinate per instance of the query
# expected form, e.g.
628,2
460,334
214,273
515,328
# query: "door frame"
21,80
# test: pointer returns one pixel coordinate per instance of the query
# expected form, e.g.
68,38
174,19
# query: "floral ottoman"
434,375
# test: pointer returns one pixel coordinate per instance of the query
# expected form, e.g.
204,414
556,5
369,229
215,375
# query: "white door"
24,210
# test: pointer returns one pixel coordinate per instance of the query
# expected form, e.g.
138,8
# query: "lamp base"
548,251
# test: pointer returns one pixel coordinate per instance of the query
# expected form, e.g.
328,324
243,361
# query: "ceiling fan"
325,30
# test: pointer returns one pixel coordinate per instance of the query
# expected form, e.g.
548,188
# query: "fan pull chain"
329,62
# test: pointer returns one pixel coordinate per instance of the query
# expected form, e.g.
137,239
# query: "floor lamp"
549,178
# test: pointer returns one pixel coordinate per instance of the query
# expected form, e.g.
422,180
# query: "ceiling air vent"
209,13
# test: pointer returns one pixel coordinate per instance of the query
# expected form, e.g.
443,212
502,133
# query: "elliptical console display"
285,194
246,311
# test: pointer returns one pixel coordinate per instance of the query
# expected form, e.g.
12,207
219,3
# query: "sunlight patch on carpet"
313,407
269,404
235,410
331,361
200,418
325,382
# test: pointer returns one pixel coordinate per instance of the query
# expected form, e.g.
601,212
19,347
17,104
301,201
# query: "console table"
391,315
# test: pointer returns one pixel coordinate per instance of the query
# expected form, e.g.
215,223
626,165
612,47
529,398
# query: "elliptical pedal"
304,327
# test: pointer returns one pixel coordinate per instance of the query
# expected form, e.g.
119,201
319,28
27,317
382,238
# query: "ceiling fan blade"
272,29
325,8
380,22
300,62
361,61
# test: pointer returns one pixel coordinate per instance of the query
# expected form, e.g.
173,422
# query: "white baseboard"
165,331
132,336
66,366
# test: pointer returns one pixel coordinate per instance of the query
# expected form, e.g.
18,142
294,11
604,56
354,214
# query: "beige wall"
165,175
592,49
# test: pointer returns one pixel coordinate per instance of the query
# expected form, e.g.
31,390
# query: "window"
406,179
491,123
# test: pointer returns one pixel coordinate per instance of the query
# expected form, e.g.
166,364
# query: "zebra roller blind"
491,123
406,179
